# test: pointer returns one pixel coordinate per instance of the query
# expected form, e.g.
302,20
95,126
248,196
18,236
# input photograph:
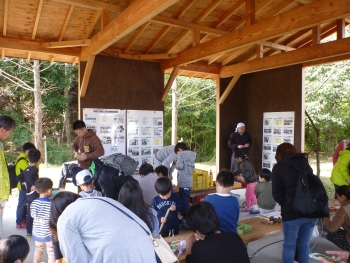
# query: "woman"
340,172
297,230
340,237
100,229
131,197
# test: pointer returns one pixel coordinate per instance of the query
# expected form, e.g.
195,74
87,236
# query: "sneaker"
245,209
29,235
21,225
254,212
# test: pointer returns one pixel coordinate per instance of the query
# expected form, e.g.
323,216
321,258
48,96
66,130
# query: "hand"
246,145
340,255
163,220
32,188
240,146
76,155
172,208
190,240
83,157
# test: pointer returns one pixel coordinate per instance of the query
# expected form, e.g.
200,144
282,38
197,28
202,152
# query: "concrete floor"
270,254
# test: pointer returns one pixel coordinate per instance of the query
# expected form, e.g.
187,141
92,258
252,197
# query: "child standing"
27,178
226,206
164,201
263,192
248,173
85,180
40,212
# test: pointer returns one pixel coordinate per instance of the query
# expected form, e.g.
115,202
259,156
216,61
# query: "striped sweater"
40,211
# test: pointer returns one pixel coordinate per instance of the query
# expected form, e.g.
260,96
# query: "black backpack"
11,167
311,199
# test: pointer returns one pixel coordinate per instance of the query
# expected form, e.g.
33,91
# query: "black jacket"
285,180
236,139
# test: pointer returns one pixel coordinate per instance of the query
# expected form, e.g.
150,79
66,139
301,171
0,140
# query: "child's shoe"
254,212
245,209
29,235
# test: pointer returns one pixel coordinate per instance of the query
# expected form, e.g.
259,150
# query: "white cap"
81,175
239,125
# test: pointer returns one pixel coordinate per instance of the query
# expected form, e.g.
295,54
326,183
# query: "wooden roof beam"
176,41
135,36
229,13
6,13
136,14
65,23
229,88
37,18
341,28
28,57
92,4
299,56
316,35
213,58
68,43
104,18
75,61
147,56
52,60
326,60
207,11
87,74
249,12
305,16
170,82
276,46
185,8
2,53
93,23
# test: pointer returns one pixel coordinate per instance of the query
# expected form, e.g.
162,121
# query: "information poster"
109,125
144,135
278,127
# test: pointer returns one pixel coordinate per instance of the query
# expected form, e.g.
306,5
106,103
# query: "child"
27,178
215,246
167,200
263,192
40,212
22,163
248,173
166,156
226,206
147,181
85,181
185,167
7,125
131,197
14,249
161,170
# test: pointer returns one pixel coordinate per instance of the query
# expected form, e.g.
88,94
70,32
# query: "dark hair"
202,217
131,197
43,184
180,145
78,125
7,122
283,150
266,174
163,170
344,190
58,204
28,146
225,178
163,185
240,154
145,169
34,155
14,248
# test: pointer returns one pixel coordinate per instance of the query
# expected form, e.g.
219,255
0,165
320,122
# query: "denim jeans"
297,234
185,197
21,206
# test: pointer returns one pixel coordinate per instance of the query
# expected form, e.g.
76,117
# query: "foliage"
58,154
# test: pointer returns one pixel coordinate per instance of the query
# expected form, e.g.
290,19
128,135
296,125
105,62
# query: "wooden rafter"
185,8
176,41
341,28
170,82
207,11
28,57
87,74
259,51
316,35
65,23
135,36
104,18
6,13
37,18
147,56
125,23
52,60
212,59
2,53
158,38
92,4
234,54
68,43
229,88
249,12
93,23
196,37
75,61
312,14
326,60
276,46
302,55
229,13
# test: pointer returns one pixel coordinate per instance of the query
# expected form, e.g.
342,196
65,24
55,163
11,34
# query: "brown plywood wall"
117,83
267,91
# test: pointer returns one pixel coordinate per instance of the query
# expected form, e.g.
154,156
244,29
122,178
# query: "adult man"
147,181
87,146
166,156
240,140
341,146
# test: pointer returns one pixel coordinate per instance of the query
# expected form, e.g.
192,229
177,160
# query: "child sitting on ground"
263,192
248,173
14,249
226,206
161,170
164,201
40,212
85,181
214,246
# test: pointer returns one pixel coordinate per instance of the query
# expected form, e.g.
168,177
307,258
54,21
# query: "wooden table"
260,229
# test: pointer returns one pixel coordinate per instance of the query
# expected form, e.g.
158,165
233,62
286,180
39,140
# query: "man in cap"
240,140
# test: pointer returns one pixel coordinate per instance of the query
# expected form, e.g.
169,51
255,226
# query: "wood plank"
6,13
135,36
155,41
185,8
136,14
2,53
305,16
249,12
93,23
326,60
229,13
229,88
87,74
68,43
201,67
207,11
52,60
170,82
37,18
316,35
196,37
212,59
276,46
259,51
28,57
65,23
75,61
301,55
92,4
340,28
104,18
234,54
176,41
148,56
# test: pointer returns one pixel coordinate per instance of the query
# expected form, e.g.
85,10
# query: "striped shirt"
40,211
91,193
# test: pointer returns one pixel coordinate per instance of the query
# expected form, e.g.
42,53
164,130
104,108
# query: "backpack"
11,167
121,162
311,199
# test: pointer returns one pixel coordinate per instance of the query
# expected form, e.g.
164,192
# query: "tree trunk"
318,144
174,113
66,113
38,111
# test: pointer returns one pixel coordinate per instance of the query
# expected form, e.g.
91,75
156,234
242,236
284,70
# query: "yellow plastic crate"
201,179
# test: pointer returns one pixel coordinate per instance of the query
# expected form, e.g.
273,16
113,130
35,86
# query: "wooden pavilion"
255,49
